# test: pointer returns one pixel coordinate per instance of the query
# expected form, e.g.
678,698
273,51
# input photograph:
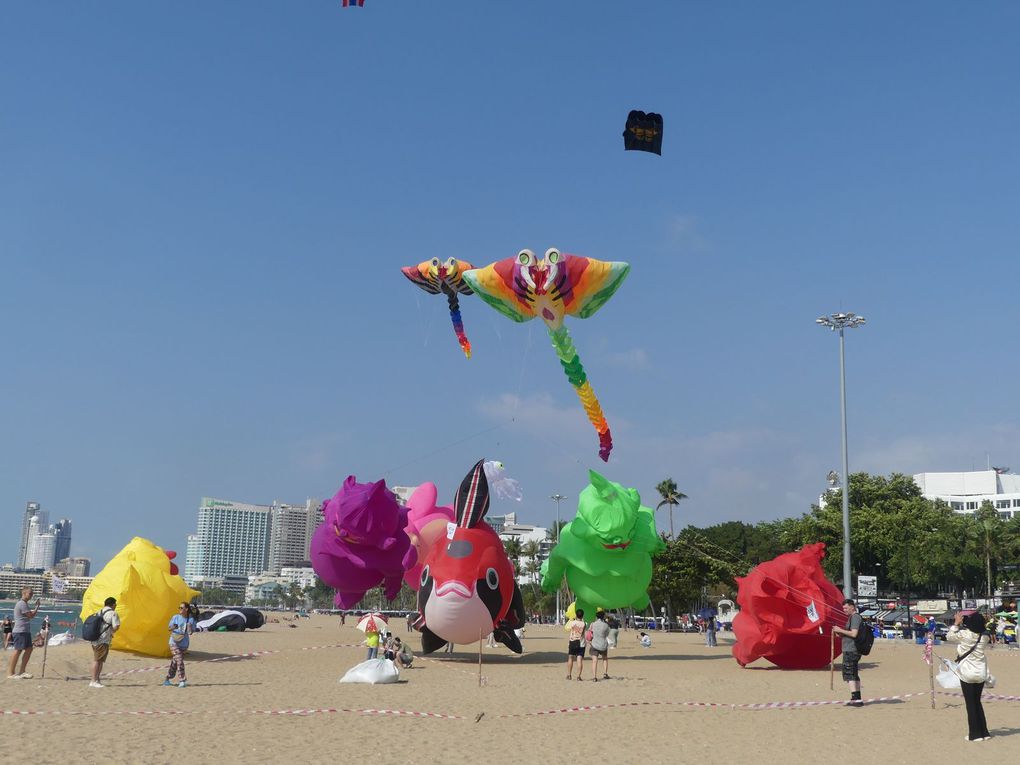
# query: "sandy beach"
287,702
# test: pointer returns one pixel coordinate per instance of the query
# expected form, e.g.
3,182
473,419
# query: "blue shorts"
22,640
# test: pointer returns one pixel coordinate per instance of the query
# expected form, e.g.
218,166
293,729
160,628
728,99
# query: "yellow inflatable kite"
147,594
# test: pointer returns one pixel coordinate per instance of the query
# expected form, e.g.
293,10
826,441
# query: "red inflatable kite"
787,611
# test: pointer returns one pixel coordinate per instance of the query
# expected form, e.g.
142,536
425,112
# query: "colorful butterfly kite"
552,287
446,277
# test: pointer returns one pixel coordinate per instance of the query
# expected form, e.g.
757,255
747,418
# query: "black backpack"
92,628
865,638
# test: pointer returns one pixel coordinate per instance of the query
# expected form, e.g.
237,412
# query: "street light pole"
840,321
558,498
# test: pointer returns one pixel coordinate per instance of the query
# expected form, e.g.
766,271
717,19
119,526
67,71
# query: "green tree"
671,496
514,550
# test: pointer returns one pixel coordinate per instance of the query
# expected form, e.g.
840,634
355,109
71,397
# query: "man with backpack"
852,650
99,629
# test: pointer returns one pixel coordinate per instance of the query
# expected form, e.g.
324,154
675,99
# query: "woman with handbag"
971,634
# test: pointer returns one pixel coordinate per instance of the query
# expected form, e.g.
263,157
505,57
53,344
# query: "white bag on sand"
373,671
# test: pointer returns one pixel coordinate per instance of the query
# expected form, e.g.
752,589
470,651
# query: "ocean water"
63,617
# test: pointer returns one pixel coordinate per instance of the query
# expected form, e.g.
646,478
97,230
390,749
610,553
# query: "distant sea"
62,616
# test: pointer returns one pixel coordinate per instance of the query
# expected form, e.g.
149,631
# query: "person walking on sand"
8,628
575,644
851,657
21,635
101,647
181,626
614,629
970,633
599,646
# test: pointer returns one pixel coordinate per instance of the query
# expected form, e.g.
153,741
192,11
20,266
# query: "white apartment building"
42,546
232,540
239,539
966,491
290,534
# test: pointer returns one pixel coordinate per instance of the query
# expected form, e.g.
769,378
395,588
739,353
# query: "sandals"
605,677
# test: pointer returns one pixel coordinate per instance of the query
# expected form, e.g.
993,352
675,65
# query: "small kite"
359,3
445,277
503,486
643,132
553,287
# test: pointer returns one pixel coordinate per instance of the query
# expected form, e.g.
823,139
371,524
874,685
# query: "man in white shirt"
101,647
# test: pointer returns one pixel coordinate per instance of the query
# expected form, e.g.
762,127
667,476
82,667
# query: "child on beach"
644,640
181,626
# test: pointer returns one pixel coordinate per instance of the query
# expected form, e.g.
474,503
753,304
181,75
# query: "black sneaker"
855,703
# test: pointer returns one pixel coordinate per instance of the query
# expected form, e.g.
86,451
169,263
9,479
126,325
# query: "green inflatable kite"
606,551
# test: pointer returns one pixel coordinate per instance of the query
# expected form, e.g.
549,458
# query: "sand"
241,710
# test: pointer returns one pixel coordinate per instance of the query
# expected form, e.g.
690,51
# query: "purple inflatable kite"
362,542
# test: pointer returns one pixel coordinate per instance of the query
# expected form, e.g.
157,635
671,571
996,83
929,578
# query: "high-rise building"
290,534
42,546
63,533
232,540
31,511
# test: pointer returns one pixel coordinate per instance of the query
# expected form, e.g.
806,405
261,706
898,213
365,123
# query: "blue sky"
204,208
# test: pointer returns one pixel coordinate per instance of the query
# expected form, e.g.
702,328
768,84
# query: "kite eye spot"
451,264
424,576
524,257
492,579
435,262
553,255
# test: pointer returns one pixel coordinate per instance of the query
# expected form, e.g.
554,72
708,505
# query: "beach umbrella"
372,622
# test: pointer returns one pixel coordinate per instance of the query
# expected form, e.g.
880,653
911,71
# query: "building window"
1002,503
958,506
1016,503
972,505
1007,515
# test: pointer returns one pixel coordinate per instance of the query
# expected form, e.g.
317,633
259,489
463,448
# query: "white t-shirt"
111,625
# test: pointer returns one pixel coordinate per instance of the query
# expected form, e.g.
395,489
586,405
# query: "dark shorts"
575,648
850,661
22,640
100,651
599,654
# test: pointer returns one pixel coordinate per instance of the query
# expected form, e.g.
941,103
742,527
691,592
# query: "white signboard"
932,606
867,586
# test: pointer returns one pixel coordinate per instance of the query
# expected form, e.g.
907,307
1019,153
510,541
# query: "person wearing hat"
970,632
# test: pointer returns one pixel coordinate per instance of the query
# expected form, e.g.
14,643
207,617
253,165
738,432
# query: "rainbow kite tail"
458,323
567,354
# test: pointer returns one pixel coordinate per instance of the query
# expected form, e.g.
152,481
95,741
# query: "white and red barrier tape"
249,655
306,712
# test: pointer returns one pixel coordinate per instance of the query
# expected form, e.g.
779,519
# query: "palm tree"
513,551
670,496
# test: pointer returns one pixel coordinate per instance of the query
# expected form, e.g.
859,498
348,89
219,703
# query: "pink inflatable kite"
787,611
362,542
426,524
